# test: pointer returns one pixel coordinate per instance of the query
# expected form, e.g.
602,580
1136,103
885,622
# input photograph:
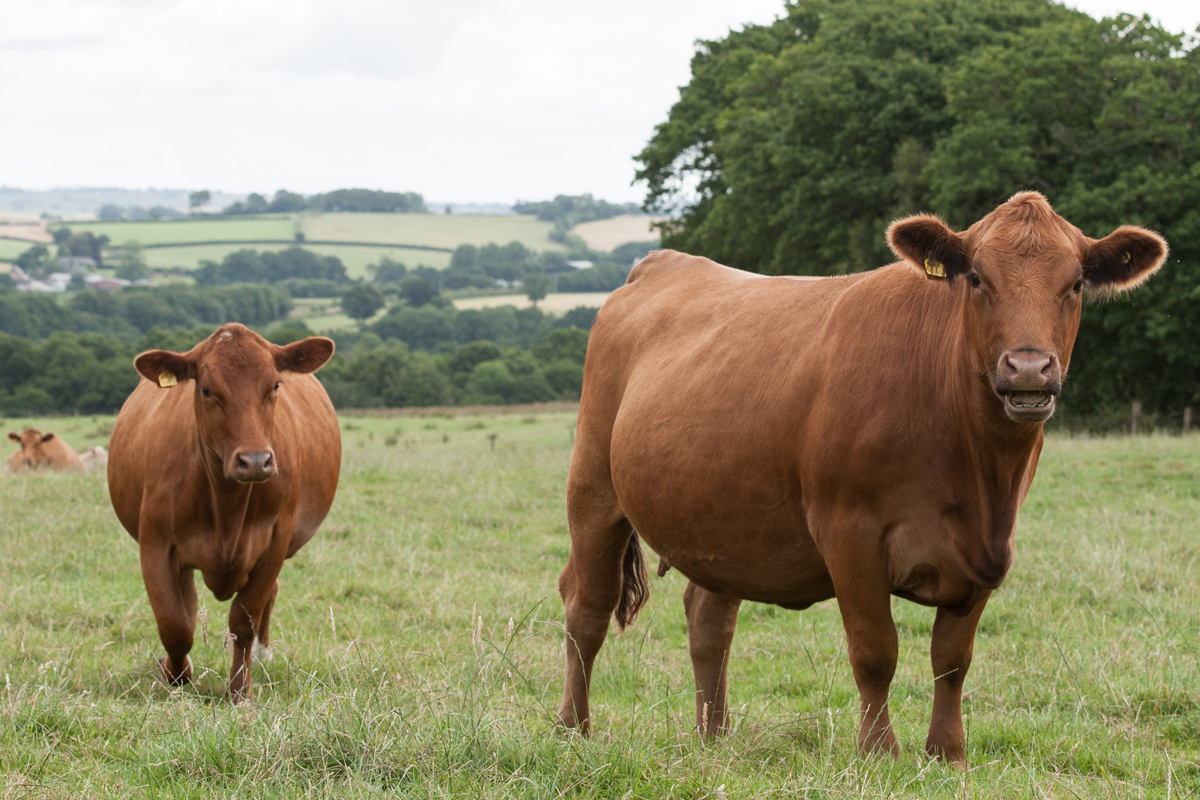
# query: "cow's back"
680,321
60,455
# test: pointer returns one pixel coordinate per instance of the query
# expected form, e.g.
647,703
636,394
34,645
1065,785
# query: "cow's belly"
788,573
717,509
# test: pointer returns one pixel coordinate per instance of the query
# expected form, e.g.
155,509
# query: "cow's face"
237,379
30,454
1021,272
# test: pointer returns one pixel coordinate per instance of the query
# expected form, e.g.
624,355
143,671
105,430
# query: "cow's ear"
306,355
1124,259
164,368
928,244
47,437
15,437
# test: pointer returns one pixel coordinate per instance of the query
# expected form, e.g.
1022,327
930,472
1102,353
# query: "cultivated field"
430,230
418,649
355,258
277,227
553,303
605,234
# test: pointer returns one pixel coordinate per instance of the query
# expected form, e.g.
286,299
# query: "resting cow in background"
224,460
789,440
42,450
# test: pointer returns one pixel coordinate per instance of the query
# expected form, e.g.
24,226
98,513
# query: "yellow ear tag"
1125,259
934,268
166,379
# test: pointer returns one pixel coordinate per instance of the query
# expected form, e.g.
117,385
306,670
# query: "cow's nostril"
253,464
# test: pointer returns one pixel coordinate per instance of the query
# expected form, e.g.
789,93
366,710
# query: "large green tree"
796,143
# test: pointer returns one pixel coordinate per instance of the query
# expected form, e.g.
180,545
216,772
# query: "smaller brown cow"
224,460
42,450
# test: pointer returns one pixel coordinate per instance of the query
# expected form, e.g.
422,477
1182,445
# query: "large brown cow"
788,441
39,450
224,460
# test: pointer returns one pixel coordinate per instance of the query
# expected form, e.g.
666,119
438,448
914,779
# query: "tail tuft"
635,584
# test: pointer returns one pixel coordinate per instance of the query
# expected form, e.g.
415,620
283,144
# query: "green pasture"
324,314
418,646
204,229
356,258
430,230
11,248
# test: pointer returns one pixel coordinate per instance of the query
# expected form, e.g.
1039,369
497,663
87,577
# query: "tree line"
795,144
360,200
127,314
79,359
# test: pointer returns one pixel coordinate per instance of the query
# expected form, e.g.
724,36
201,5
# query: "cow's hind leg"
172,594
605,573
953,643
245,614
711,622
262,645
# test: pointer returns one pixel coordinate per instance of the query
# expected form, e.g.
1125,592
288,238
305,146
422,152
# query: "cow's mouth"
1029,406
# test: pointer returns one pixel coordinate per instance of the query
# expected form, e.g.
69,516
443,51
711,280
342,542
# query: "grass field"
355,258
431,230
554,303
220,229
11,248
605,234
324,314
419,652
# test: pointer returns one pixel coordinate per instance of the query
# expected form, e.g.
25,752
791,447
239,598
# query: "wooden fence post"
1187,419
1137,416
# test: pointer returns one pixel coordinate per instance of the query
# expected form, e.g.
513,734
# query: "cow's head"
30,454
1021,271
236,378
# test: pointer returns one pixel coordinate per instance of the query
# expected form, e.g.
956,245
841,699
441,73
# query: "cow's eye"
1078,287
975,282
277,385
204,392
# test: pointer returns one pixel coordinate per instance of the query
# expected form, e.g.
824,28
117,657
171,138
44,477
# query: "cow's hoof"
184,676
951,754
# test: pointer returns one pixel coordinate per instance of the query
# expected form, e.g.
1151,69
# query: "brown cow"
40,450
788,441
225,460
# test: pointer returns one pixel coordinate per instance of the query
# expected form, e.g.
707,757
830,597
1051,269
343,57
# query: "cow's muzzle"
253,467
1028,382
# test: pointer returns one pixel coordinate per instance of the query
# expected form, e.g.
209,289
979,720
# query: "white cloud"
489,100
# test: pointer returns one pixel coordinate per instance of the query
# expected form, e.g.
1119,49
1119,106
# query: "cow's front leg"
953,643
172,593
711,622
244,616
864,598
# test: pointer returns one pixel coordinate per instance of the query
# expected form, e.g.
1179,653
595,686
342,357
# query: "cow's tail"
635,584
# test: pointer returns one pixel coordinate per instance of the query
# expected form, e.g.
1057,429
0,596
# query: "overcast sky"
460,100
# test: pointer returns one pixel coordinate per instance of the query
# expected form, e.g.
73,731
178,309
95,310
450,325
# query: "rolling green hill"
430,230
357,239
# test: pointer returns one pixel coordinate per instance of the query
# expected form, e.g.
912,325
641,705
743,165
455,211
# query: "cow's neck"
230,502
997,456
